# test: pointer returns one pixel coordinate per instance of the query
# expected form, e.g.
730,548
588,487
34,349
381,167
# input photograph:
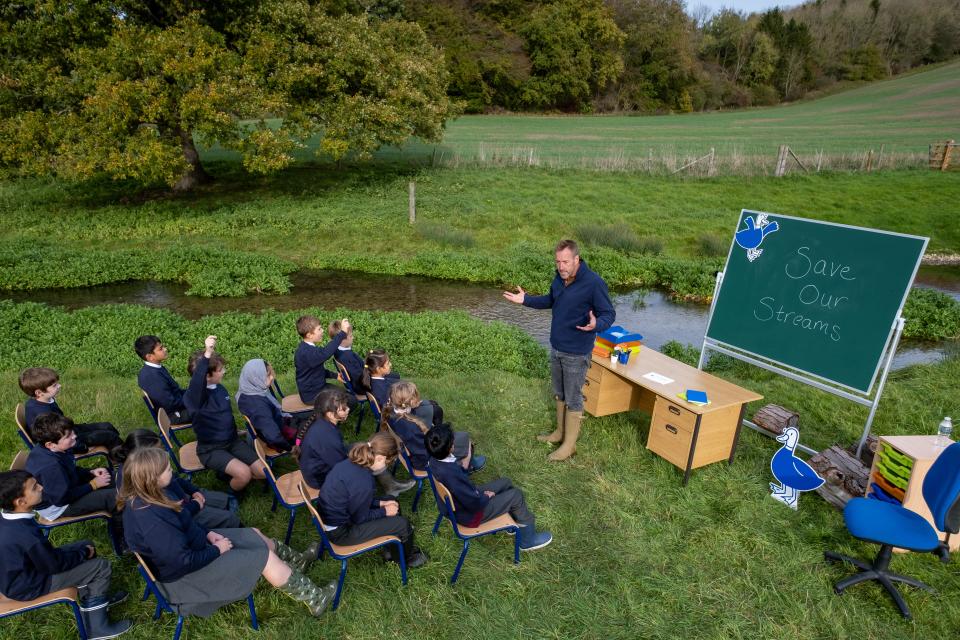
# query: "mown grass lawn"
636,555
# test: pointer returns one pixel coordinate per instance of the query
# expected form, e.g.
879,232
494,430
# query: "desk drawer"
670,441
595,372
667,411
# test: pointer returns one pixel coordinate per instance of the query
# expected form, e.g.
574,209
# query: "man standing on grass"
581,309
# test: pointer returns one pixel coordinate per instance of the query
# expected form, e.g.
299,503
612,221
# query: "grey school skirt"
229,578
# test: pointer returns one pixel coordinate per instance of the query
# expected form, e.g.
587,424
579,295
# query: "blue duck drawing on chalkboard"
751,237
793,474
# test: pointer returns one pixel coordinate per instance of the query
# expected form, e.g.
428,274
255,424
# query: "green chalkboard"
818,297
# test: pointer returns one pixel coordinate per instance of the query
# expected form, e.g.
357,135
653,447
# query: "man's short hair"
568,244
50,427
37,379
144,345
306,324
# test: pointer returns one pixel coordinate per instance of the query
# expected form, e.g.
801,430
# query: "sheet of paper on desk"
653,376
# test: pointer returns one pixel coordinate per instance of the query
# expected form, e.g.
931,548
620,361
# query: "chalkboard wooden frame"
863,325
866,395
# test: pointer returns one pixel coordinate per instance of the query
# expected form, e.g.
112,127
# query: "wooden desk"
687,435
922,451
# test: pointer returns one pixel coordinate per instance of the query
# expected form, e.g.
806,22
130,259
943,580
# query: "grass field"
904,115
636,555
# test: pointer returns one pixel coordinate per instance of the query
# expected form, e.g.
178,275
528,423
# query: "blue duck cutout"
793,474
751,237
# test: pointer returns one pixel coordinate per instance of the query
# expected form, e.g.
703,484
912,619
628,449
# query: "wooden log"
844,475
775,419
869,449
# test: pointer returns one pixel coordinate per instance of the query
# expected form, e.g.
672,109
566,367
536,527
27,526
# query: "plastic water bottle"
944,431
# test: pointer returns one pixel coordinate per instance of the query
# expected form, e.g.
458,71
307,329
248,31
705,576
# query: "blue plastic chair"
495,525
19,416
20,463
184,457
892,525
345,552
156,418
362,402
269,453
418,475
163,605
285,489
374,408
68,596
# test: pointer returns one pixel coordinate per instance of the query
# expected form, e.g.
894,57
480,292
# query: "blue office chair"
163,605
891,525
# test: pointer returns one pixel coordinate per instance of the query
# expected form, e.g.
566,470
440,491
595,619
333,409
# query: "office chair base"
877,571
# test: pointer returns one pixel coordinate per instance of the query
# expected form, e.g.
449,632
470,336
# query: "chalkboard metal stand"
866,400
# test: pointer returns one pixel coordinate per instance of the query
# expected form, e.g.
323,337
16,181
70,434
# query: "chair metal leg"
403,562
293,516
157,611
436,524
81,628
360,418
463,556
274,507
179,629
895,594
416,498
516,546
343,574
253,613
856,578
146,594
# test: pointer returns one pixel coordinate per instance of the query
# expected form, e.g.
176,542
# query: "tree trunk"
194,175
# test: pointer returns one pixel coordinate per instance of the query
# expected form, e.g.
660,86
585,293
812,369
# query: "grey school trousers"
91,578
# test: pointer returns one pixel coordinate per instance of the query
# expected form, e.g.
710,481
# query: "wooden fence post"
781,162
412,208
947,148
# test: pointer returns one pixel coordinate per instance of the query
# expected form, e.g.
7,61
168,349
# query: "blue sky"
745,6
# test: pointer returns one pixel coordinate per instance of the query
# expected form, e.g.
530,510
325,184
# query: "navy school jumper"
62,480
162,388
267,419
348,496
28,560
467,498
571,305
210,409
322,448
308,361
170,541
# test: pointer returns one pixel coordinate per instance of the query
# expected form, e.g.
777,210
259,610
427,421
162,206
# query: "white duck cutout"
793,474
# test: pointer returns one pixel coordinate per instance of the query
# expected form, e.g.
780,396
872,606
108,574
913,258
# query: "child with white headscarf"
257,403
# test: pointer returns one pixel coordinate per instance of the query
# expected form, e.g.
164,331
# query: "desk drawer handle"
674,410
672,429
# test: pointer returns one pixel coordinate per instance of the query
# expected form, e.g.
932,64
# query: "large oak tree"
127,88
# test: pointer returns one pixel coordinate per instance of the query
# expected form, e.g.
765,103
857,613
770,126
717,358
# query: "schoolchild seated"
218,445
476,505
68,490
378,377
309,359
31,567
399,415
257,403
42,385
160,386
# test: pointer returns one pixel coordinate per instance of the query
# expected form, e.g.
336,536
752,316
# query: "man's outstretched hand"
515,297
590,326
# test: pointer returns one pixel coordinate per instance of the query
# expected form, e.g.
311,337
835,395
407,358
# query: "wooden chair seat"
499,522
351,549
293,404
288,484
62,520
9,606
189,460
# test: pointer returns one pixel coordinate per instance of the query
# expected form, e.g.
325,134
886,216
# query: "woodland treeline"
656,56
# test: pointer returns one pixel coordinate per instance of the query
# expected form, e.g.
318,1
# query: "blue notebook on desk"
696,397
